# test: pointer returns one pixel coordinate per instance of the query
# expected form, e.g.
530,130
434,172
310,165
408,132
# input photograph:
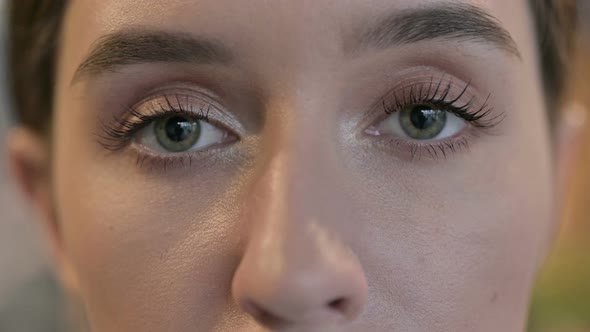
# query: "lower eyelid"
413,150
148,160
406,148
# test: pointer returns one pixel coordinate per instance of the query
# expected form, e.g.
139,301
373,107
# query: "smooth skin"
308,218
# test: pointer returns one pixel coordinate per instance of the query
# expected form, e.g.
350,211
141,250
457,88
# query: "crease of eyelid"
221,117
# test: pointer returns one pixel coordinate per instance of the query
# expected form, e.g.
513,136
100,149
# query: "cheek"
142,239
456,238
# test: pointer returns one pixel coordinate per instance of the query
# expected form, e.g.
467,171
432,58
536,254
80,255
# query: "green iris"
177,133
422,122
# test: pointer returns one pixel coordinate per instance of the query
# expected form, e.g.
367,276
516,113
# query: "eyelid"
182,99
434,91
445,93
120,132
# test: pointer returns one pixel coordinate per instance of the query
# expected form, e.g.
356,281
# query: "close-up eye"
421,122
179,133
169,125
434,117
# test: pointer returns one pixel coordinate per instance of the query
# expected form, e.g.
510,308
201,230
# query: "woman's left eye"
421,122
179,133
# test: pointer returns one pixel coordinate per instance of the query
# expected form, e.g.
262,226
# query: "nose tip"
304,296
298,268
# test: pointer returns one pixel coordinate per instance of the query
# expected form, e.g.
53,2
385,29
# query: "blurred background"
561,302
30,301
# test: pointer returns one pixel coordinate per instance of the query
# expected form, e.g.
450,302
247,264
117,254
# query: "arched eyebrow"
145,46
446,21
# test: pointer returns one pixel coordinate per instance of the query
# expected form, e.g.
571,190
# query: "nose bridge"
290,199
296,267
297,178
301,178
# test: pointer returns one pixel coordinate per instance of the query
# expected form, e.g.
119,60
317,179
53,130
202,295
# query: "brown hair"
34,27
555,23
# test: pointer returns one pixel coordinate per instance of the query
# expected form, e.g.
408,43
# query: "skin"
307,221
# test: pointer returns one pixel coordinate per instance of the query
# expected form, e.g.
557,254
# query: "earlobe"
30,166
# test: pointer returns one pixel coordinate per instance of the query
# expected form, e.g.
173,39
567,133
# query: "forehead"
113,13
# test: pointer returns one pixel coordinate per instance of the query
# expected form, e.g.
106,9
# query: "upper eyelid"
216,111
168,106
120,131
479,113
428,90
438,89
176,99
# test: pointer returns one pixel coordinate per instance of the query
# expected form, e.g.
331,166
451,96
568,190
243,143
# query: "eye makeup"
422,116
415,109
185,110
437,96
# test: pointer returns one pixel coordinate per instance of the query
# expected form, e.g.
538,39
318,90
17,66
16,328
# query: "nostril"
268,318
264,316
338,304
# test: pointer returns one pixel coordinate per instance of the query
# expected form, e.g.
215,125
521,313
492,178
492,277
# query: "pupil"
178,129
423,117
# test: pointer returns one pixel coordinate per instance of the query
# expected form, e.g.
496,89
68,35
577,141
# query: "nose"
296,270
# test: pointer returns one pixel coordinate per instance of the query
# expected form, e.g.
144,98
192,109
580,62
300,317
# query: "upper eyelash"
120,131
433,95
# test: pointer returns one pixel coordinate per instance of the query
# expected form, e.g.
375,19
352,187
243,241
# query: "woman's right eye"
180,133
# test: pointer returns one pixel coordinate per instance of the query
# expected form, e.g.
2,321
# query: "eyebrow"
137,47
447,21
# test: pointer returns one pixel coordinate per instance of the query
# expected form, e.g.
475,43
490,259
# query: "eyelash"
437,96
120,133
479,118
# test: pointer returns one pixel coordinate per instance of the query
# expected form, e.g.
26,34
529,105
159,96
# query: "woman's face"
301,165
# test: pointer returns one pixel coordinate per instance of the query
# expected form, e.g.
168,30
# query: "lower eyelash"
154,162
437,95
417,151
150,161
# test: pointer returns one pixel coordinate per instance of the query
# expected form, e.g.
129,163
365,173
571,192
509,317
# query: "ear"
570,134
30,165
